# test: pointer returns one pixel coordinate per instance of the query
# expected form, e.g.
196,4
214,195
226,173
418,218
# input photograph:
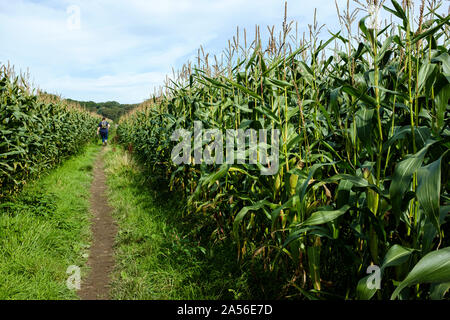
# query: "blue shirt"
103,129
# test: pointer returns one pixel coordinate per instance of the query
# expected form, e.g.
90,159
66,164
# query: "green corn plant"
363,163
37,131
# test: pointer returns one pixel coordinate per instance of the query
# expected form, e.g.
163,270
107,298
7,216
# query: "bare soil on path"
104,230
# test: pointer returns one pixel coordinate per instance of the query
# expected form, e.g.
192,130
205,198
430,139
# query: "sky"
104,50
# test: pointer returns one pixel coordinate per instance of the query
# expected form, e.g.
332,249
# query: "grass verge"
155,257
45,229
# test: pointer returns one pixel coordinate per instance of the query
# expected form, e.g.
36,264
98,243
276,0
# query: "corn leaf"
432,268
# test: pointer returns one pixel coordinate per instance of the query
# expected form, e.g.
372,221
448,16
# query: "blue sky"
121,50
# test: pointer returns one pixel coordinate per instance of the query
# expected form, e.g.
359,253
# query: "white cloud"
130,87
124,48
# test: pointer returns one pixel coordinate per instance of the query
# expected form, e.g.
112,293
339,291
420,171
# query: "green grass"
155,256
45,230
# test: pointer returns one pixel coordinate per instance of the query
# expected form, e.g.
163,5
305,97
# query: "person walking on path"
103,128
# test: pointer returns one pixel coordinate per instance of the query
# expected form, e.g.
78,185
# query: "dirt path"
104,229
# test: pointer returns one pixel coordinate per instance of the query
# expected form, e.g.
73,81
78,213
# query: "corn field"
37,131
363,169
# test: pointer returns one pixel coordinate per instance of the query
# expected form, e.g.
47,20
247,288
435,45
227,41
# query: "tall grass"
363,175
154,255
45,230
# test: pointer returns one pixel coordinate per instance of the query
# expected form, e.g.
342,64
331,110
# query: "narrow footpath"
104,230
